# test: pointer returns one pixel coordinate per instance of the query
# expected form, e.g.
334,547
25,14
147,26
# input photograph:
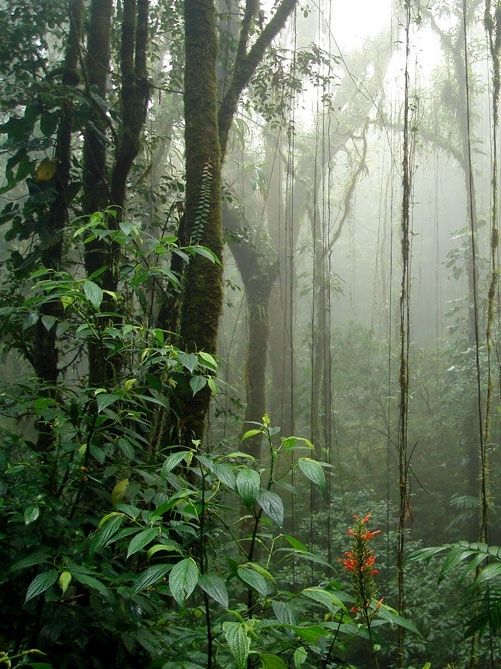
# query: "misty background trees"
218,211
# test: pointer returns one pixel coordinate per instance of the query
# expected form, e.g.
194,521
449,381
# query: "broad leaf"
300,657
103,536
215,587
31,513
149,577
225,474
141,540
238,642
93,293
92,583
272,505
269,661
41,583
248,483
313,471
284,612
64,581
182,579
197,383
255,580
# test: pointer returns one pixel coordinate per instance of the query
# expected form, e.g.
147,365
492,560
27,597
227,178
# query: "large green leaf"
255,580
141,540
284,612
215,587
104,535
93,293
238,642
313,471
172,461
31,513
269,661
92,583
183,579
225,474
248,483
149,577
41,583
272,505
324,597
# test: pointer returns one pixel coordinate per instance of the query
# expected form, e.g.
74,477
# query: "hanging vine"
404,336
492,23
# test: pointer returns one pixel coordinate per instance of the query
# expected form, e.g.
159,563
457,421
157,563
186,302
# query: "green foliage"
479,567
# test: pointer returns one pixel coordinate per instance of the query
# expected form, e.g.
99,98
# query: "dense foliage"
151,513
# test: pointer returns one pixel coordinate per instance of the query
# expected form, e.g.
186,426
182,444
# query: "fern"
480,577
203,208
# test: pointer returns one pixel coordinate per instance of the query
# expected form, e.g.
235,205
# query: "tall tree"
207,126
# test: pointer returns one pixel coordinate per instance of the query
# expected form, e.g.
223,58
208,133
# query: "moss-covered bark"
95,177
206,134
203,296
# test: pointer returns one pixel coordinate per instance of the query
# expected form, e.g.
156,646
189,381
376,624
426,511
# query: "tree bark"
95,177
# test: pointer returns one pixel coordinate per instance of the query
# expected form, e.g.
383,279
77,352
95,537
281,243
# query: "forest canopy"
249,334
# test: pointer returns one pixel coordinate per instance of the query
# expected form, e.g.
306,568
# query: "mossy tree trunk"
207,126
95,177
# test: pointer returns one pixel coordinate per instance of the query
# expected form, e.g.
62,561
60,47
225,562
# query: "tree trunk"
46,357
95,178
203,298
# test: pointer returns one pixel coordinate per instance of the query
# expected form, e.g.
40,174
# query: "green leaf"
248,483
197,383
295,443
324,597
300,657
104,535
149,577
173,460
284,612
225,474
250,433
295,543
188,360
64,581
255,580
31,513
310,633
492,571
167,547
391,616
119,490
92,582
37,557
238,642
313,471
41,583
272,505
141,540
269,661
105,400
182,579
209,361
215,587
93,293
